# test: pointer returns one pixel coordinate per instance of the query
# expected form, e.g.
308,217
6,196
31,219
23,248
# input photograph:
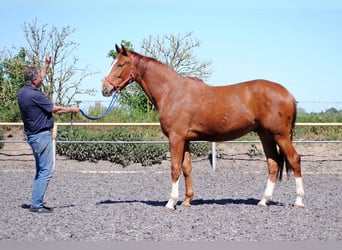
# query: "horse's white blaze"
268,193
174,195
300,192
110,69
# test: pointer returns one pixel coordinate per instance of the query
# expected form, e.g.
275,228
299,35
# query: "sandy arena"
103,201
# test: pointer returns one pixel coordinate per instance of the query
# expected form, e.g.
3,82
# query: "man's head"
32,77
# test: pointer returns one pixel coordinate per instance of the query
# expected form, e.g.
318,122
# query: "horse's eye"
121,65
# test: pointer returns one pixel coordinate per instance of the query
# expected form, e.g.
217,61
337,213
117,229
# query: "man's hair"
29,74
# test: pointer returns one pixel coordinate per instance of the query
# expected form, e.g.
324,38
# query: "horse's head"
120,73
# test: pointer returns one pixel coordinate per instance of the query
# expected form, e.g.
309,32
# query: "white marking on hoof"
169,209
262,203
298,206
171,203
174,196
300,193
267,194
299,203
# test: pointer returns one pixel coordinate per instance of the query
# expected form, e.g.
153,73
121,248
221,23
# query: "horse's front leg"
177,154
187,169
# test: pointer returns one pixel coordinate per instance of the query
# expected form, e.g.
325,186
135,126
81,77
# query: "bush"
124,154
318,133
9,113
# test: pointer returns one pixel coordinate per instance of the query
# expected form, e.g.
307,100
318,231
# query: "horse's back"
272,95
270,103
258,93
262,92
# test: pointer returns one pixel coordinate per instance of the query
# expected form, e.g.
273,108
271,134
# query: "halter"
128,80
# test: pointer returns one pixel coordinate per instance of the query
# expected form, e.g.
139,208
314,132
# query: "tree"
64,78
176,51
113,54
11,80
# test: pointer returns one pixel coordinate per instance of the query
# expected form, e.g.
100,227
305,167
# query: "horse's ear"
117,49
124,50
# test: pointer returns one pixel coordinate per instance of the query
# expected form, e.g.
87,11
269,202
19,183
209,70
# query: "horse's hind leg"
273,161
293,159
187,169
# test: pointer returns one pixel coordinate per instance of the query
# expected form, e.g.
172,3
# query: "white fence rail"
57,124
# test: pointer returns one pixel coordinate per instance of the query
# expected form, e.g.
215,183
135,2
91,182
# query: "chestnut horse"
191,110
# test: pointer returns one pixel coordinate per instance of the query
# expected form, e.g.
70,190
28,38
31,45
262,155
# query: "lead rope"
110,106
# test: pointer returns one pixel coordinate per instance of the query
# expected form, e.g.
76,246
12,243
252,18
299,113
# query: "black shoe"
43,209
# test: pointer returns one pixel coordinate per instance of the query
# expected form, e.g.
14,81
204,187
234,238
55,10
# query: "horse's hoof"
169,209
186,204
262,204
299,203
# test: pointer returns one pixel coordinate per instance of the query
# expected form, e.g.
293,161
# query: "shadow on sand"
198,202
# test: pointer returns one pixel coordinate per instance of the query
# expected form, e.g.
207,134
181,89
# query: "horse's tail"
293,121
283,162
282,159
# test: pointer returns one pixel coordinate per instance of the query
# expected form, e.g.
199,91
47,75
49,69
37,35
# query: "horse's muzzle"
107,92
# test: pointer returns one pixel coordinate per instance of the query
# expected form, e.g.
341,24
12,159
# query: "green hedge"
124,154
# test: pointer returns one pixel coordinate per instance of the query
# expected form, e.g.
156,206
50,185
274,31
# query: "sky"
297,43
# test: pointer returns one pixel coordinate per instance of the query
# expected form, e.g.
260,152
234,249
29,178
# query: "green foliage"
113,54
318,133
330,115
134,100
9,112
200,149
123,115
120,153
11,80
146,154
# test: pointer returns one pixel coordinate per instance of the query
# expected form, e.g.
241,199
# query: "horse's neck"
158,81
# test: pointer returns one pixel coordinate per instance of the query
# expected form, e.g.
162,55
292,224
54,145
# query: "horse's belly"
220,132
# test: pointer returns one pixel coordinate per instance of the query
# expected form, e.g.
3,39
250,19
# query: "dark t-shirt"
35,110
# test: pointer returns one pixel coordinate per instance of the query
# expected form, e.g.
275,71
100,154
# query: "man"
36,111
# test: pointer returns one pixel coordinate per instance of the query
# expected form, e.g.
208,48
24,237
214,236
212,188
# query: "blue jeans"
41,145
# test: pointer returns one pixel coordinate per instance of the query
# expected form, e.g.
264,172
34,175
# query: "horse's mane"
197,79
143,61
147,59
